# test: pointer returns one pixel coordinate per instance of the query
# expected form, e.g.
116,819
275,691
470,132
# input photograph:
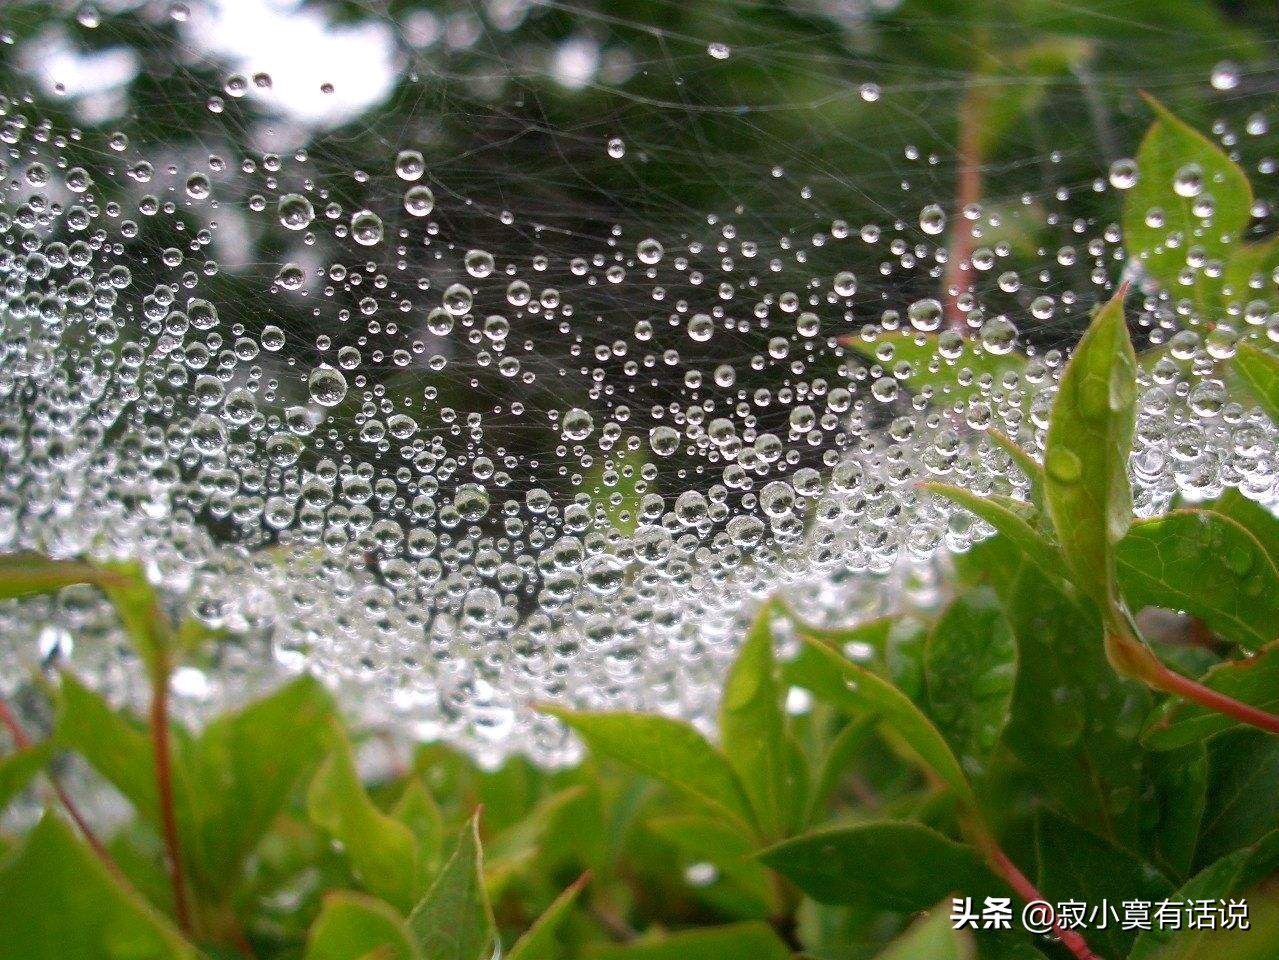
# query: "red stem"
1000,863
1170,681
23,742
967,192
164,792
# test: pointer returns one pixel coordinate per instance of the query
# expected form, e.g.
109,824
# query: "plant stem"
23,742
1005,868
968,160
164,791
1169,681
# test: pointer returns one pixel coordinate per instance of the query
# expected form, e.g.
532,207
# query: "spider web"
552,439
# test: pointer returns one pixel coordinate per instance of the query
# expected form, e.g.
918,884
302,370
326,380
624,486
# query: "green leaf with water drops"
1254,518
18,768
1006,519
58,901
1074,722
932,937
1074,864
1086,456
887,865
454,920
1253,680
703,839
1222,880
953,369
24,574
617,488
1259,370
740,941
970,662
143,618
1191,203
382,850
1250,284
1032,468
1205,564
669,751
753,732
352,925
859,692
538,941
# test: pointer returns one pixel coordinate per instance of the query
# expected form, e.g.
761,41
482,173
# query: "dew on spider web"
454,471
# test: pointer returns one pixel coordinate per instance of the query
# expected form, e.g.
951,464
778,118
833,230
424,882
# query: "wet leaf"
1034,546
23,574
1259,371
1242,804
1074,721
1205,564
382,850
352,925
454,920
1254,518
753,731
1086,457
417,810
952,375
971,662
669,751
1161,226
59,902
888,865
859,692
1175,802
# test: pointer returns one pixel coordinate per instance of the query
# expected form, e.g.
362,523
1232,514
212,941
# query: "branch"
968,160
164,790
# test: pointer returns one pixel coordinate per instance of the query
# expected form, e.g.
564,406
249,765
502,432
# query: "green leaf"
454,920
60,902
704,839
18,768
1174,803
1074,721
1028,465
845,748
1034,546
381,849
1224,879
1203,563
753,732
858,691
1250,275
1259,370
617,487
23,574
1086,457
1074,864
244,769
1242,805
114,746
666,750
1021,85
932,937
418,811
970,663
1171,147
889,865
952,371
1254,681
538,941
741,941
352,925
1260,941
1254,518
141,615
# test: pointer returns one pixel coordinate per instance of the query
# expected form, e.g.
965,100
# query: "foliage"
1027,729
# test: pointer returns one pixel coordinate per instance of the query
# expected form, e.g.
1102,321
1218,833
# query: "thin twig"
23,742
164,791
1169,681
968,161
